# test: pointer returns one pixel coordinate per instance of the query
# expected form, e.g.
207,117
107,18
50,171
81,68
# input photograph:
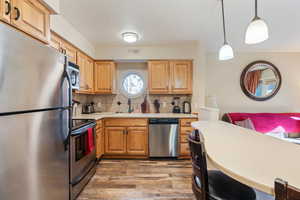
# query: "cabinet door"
158,77
70,51
181,77
5,10
31,17
98,143
105,77
99,139
184,149
137,141
81,63
102,142
115,141
55,41
89,74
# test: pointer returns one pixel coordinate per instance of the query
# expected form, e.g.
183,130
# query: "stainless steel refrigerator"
34,119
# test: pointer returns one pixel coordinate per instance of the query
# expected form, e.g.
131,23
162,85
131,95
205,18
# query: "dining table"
250,157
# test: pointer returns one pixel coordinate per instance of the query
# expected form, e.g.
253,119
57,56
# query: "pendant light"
257,30
226,52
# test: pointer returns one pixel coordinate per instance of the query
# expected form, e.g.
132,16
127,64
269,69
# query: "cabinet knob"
8,8
18,14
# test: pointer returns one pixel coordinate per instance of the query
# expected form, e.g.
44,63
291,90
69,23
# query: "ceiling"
180,21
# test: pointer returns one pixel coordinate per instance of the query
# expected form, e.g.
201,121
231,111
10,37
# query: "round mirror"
260,80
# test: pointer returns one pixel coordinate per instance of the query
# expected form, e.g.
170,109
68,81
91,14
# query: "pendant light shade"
257,30
226,51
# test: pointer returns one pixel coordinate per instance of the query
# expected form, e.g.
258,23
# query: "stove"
82,155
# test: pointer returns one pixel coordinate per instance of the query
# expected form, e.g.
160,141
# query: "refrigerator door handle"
67,77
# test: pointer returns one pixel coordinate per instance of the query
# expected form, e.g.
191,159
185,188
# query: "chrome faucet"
130,109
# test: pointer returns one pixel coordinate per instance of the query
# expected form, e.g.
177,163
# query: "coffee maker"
175,103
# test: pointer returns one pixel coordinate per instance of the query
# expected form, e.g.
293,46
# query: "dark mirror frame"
247,93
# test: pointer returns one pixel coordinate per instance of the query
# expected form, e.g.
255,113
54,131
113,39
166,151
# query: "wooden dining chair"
213,184
283,191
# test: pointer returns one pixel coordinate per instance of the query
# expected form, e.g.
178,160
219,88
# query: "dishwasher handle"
163,121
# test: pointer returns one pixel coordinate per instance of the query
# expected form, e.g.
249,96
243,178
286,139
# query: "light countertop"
98,116
250,157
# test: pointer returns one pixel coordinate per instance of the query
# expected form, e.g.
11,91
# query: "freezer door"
30,73
34,160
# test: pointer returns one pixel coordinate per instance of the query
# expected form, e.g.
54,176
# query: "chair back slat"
283,191
199,164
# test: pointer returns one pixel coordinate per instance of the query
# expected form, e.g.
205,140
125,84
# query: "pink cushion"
266,122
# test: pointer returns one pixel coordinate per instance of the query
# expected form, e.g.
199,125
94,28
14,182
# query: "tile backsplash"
109,103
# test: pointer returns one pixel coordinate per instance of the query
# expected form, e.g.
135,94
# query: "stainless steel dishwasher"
163,137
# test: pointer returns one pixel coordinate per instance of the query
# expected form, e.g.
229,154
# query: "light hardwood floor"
140,180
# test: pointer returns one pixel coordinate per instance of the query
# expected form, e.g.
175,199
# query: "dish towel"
89,141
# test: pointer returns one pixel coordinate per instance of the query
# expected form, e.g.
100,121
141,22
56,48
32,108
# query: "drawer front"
183,138
187,122
126,122
186,130
184,149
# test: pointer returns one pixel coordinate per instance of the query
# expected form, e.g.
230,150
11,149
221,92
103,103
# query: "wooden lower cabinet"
99,139
184,149
137,141
115,141
126,137
185,130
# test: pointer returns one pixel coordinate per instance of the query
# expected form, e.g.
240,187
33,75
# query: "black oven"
82,155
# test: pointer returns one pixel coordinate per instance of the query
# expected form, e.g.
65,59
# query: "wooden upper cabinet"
137,141
105,77
64,47
69,50
115,140
158,77
89,65
31,17
5,10
55,41
181,77
86,67
170,77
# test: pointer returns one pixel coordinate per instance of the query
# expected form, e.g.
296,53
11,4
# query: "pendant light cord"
224,29
256,9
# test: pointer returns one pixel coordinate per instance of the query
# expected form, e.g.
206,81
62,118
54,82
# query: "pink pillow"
247,123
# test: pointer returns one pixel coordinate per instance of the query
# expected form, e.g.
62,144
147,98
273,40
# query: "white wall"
62,27
53,4
223,81
193,51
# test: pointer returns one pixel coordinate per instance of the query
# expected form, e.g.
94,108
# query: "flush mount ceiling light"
130,37
257,30
226,52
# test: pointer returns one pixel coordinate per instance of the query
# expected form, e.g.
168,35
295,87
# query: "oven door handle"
83,129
